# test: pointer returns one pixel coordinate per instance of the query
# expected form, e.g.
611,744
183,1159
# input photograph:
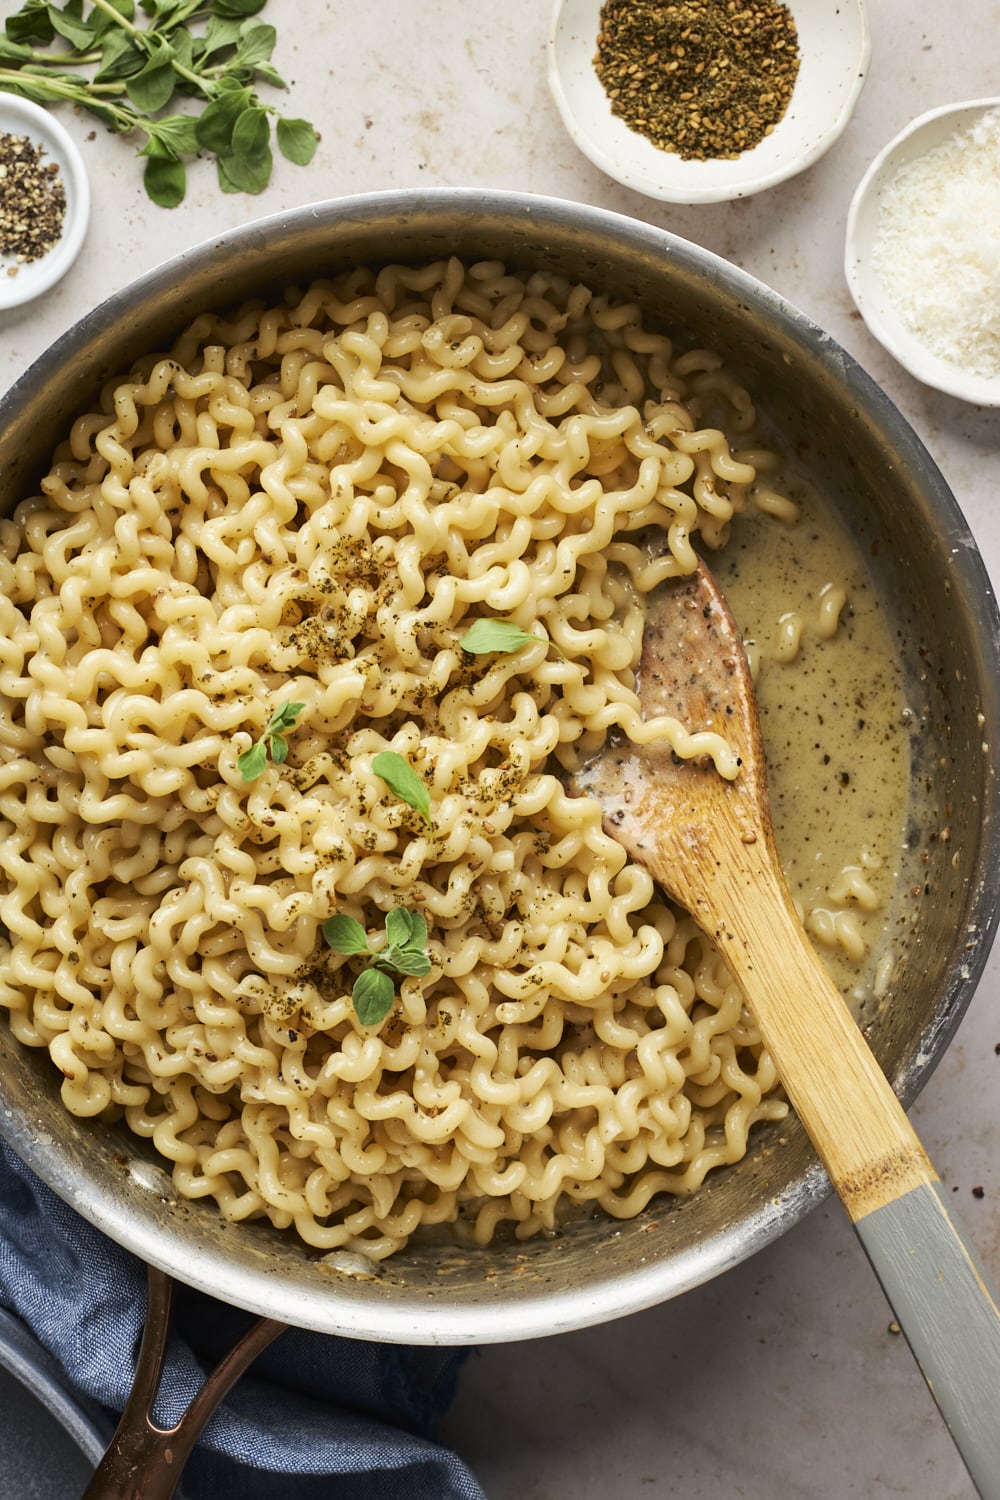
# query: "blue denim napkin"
315,1416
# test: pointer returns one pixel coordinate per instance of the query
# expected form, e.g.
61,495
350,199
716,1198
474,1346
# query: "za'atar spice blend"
701,78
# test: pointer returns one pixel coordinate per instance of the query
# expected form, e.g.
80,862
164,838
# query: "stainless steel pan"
875,470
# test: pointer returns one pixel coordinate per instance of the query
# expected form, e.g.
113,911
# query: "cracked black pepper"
32,201
701,78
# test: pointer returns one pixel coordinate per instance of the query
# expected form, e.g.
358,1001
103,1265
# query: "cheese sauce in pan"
834,717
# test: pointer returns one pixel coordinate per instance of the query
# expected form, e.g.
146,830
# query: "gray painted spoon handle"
950,1314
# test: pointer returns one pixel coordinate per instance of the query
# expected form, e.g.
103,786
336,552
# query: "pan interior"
862,455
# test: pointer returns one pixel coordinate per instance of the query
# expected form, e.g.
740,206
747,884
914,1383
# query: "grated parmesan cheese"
937,247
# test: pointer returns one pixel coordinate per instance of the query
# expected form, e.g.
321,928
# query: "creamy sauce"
834,720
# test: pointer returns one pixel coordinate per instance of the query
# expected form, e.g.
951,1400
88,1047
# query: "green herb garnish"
128,75
486,636
273,742
400,777
501,636
405,952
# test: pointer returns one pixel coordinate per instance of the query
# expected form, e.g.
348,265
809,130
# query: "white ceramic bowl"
834,47
866,285
30,279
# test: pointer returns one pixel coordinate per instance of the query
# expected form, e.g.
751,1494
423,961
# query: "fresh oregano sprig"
405,952
129,75
273,742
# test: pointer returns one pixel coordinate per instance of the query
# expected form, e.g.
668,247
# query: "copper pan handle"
143,1461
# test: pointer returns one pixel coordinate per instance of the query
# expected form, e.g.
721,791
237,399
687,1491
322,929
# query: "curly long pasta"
314,501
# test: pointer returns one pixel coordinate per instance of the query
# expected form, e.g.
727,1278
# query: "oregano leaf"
33,23
248,161
251,132
297,141
182,43
216,122
152,89
398,927
256,43
418,931
264,72
79,34
405,954
345,935
238,8
165,180
401,779
176,133
161,10
253,761
409,961
120,58
284,717
373,995
487,636
226,182
245,174
220,33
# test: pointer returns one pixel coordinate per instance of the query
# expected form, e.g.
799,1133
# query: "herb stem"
63,86
199,81
117,17
42,60
175,20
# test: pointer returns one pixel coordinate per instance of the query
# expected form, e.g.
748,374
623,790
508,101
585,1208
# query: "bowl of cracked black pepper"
700,101
44,200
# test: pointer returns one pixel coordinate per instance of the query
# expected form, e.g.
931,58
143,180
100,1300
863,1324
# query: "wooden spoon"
710,844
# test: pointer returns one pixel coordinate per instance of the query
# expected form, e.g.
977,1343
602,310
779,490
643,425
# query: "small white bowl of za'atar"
698,102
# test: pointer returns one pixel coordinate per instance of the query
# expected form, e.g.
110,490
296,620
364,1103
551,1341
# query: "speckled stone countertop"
782,1378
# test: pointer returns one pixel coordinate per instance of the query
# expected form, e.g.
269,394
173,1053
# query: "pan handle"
143,1461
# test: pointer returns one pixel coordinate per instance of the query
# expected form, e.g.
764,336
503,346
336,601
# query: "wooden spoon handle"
940,1293
841,1095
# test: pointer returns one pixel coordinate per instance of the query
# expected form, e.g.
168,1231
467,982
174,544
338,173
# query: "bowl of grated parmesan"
922,255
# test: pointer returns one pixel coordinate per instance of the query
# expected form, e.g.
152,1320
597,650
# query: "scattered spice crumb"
700,78
32,201
894,1327
978,1192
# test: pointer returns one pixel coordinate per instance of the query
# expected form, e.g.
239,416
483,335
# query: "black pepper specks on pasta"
700,78
32,201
